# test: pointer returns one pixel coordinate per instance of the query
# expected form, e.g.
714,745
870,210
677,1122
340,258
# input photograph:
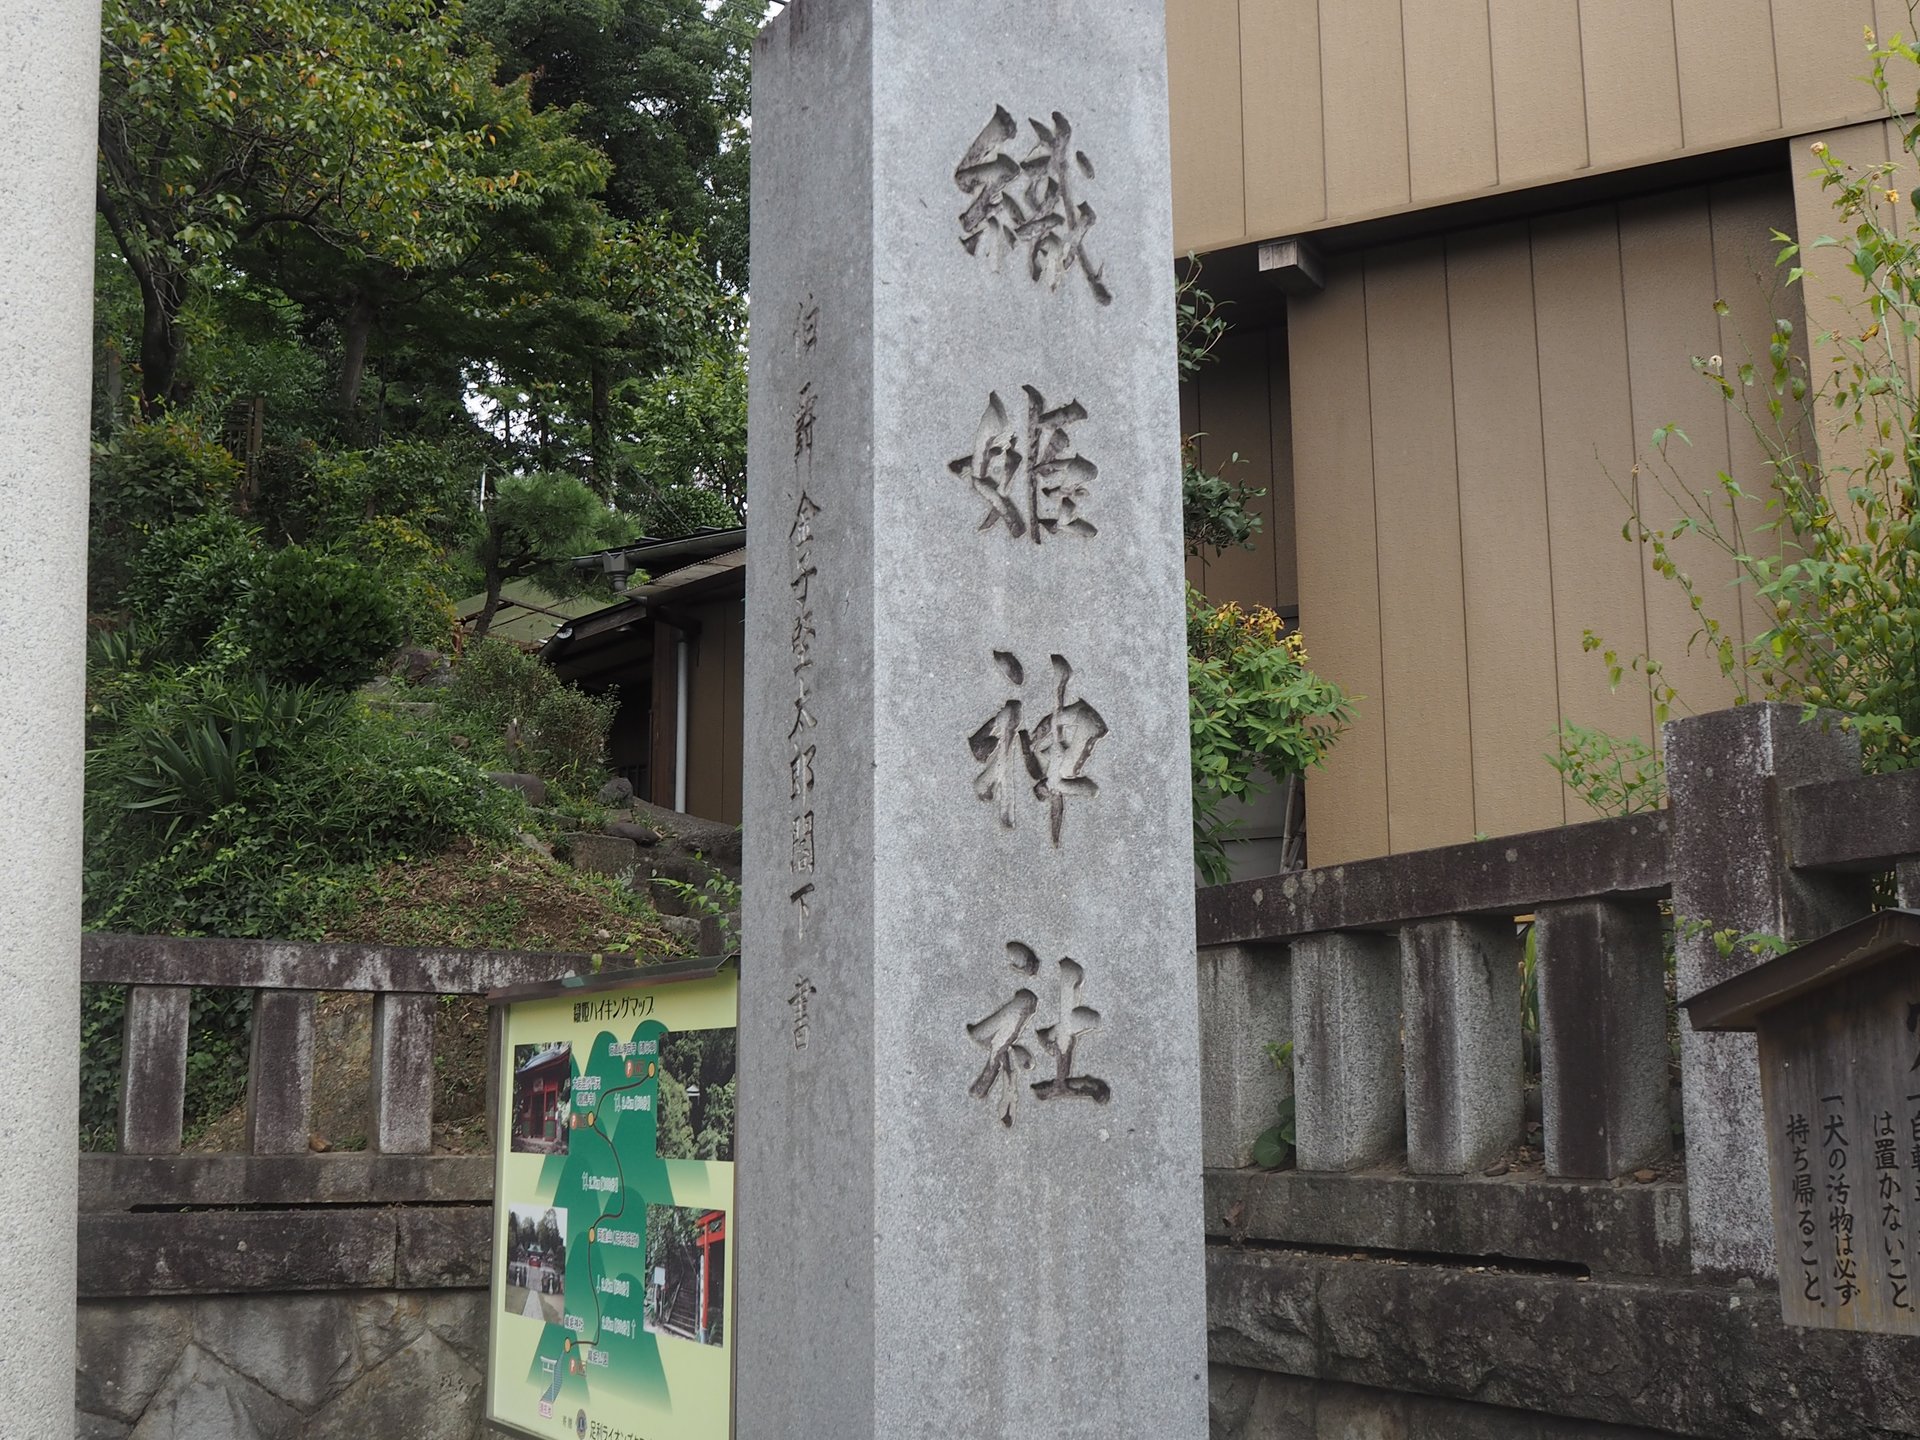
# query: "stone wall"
401,1365
1571,1356
1251,1405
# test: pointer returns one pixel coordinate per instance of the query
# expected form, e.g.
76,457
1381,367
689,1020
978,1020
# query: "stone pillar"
49,84
1246,1005
1460,993
1726,773
969,1122
1603,1037
1349,1108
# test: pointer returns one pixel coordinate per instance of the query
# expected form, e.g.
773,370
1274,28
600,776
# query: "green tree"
660,88
531,525
221,122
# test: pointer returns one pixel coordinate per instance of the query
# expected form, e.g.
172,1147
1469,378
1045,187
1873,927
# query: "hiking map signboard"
612,1277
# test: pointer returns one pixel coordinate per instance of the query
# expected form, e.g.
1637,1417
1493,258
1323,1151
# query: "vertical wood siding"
1467,414
1292,115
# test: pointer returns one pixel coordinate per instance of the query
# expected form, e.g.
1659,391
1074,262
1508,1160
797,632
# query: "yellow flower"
1819,147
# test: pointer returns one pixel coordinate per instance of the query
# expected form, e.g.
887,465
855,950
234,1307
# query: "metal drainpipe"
680,728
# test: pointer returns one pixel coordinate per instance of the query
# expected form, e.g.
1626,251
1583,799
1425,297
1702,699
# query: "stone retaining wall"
400,1365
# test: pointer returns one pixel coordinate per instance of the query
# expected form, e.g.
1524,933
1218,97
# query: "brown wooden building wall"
1456,422
1293,115
715,708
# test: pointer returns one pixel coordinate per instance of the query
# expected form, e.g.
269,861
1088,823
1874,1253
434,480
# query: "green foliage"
1216,512
343,119
319,619
190,581
1835,562
690,463
1729,941
659,86
697,1128
239,806
188,774
1614,775
144,479
1254,705
533,525
716,898
1275,1145
536,720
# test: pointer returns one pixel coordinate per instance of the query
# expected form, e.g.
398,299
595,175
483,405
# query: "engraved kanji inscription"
1028,199
806,325
1000,1034
803,420
803,991
801,751
1044,753
1034,481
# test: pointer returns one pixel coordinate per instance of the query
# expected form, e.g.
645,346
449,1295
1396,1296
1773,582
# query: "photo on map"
542,1091
536,1262
695,1105
687,1272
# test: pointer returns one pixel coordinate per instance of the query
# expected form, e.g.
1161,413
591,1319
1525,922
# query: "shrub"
1254,704
537,720
190,581
147,478
318,619
1836,561
411,567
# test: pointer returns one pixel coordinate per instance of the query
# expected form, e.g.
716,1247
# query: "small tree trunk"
496,577
116,387
160,343
356,332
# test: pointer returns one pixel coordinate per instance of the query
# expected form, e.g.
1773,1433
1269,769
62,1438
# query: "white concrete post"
49,88
969,1064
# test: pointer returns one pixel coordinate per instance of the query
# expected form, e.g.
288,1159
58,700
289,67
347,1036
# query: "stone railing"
1421,1273
1399,982
279,1217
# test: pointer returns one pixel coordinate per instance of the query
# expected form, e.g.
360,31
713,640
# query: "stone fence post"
1732,877
49,86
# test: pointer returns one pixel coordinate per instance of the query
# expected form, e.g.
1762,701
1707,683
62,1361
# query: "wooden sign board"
1838,1023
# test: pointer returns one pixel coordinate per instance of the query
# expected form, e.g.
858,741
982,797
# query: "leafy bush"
429,486
1836,562
412,569
1254,704
318,619
1275,1145
536,720
190,581
145,479
1216,512
1615,775
249,808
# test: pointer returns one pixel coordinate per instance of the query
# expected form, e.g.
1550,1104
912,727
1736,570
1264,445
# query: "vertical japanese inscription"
802,572
1888,1190
1840,1221
1026,203
1799,1143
